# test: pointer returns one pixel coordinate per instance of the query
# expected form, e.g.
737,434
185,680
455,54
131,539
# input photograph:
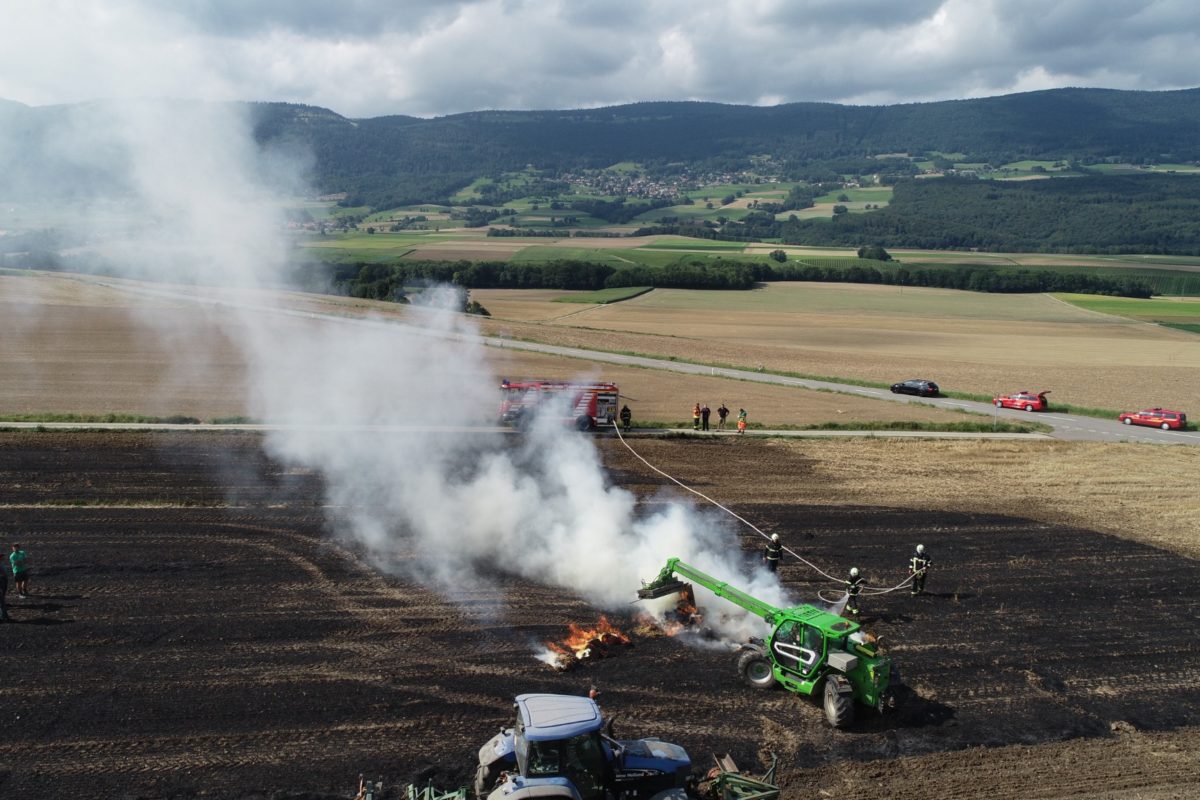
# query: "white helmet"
774,537
920,548
854,572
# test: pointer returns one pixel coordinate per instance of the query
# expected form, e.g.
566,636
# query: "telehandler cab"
808,650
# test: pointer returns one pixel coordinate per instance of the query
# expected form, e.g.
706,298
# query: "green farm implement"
808,651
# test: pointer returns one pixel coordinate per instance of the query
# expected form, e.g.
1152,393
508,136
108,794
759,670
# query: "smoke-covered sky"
430,57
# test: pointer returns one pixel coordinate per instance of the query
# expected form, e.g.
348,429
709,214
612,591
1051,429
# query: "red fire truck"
587,404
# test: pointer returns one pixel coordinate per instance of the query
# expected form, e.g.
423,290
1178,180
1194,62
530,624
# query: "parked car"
1023,400
1155,418
917,386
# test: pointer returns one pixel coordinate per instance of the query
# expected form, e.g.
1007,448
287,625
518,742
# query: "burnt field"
195,629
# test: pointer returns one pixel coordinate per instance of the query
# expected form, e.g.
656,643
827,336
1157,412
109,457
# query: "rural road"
1064,426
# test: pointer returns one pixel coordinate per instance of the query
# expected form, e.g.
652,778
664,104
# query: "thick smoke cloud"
383,412
376,57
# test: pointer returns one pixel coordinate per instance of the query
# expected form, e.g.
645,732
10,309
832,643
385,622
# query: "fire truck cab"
585,405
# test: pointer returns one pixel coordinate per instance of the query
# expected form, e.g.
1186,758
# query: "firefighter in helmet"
918,567
853,587
773,552
626,417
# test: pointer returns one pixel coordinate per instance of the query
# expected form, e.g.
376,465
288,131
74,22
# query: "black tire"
839,708
485,779
583,423
755,669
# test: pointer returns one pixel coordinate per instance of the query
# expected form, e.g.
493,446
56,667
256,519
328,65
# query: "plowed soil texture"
196,630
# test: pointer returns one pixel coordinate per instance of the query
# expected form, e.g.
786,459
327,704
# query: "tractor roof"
548,717
832,624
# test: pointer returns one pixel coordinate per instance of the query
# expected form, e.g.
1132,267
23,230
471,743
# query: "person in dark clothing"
705,412
626,417
3,595
918,567
722,413
853,587
773,552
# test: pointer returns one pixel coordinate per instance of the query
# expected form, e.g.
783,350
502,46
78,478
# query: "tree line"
391,281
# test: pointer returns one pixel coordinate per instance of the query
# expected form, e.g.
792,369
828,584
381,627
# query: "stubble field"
78,347
966,341
197,629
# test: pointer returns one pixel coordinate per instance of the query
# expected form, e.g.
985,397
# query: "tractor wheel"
583,423
485,779
755,669
839,708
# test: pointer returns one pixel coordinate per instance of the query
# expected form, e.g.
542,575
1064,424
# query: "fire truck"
585,405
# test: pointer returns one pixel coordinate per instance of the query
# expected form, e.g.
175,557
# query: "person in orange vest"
696,417
741,420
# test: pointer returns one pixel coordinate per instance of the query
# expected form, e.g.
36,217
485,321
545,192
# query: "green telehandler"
808,650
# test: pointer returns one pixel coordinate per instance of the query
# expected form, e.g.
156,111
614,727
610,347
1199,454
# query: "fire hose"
872,590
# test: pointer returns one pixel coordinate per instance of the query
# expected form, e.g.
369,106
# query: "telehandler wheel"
839,708
755,669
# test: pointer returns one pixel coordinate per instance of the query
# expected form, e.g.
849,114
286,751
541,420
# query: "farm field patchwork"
134,354
1164,310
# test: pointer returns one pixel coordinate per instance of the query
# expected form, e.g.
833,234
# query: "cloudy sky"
431,57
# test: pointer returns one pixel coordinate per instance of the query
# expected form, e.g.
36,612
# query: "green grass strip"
606,296
872,425
176,419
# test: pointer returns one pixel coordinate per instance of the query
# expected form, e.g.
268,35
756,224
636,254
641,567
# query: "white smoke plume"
382,411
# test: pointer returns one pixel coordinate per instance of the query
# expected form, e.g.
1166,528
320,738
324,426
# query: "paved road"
1065,426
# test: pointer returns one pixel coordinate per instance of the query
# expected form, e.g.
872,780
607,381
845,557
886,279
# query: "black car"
917,386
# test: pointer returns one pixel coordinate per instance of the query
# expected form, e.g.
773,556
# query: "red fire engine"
588,404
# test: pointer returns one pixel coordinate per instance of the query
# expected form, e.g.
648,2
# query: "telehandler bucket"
661,589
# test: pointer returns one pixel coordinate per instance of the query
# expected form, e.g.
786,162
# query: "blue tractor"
557,749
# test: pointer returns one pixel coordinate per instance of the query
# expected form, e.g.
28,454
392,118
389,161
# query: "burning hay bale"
584,643
672,620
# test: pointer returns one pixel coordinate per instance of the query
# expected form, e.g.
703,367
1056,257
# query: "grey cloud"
848,17
374,57
318,18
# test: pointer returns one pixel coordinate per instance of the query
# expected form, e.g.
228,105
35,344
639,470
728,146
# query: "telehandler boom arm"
666,583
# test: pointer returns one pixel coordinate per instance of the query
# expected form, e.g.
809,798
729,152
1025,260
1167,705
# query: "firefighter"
626,418
853,587
772,553
918,567
696,417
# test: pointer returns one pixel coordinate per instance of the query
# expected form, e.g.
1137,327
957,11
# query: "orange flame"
587,642
684,616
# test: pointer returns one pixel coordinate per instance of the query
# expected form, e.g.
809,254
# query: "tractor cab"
809,644
556,748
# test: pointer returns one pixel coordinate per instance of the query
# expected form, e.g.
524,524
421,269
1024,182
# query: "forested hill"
386,161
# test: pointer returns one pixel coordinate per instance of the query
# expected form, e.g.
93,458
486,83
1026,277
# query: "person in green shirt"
19,560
